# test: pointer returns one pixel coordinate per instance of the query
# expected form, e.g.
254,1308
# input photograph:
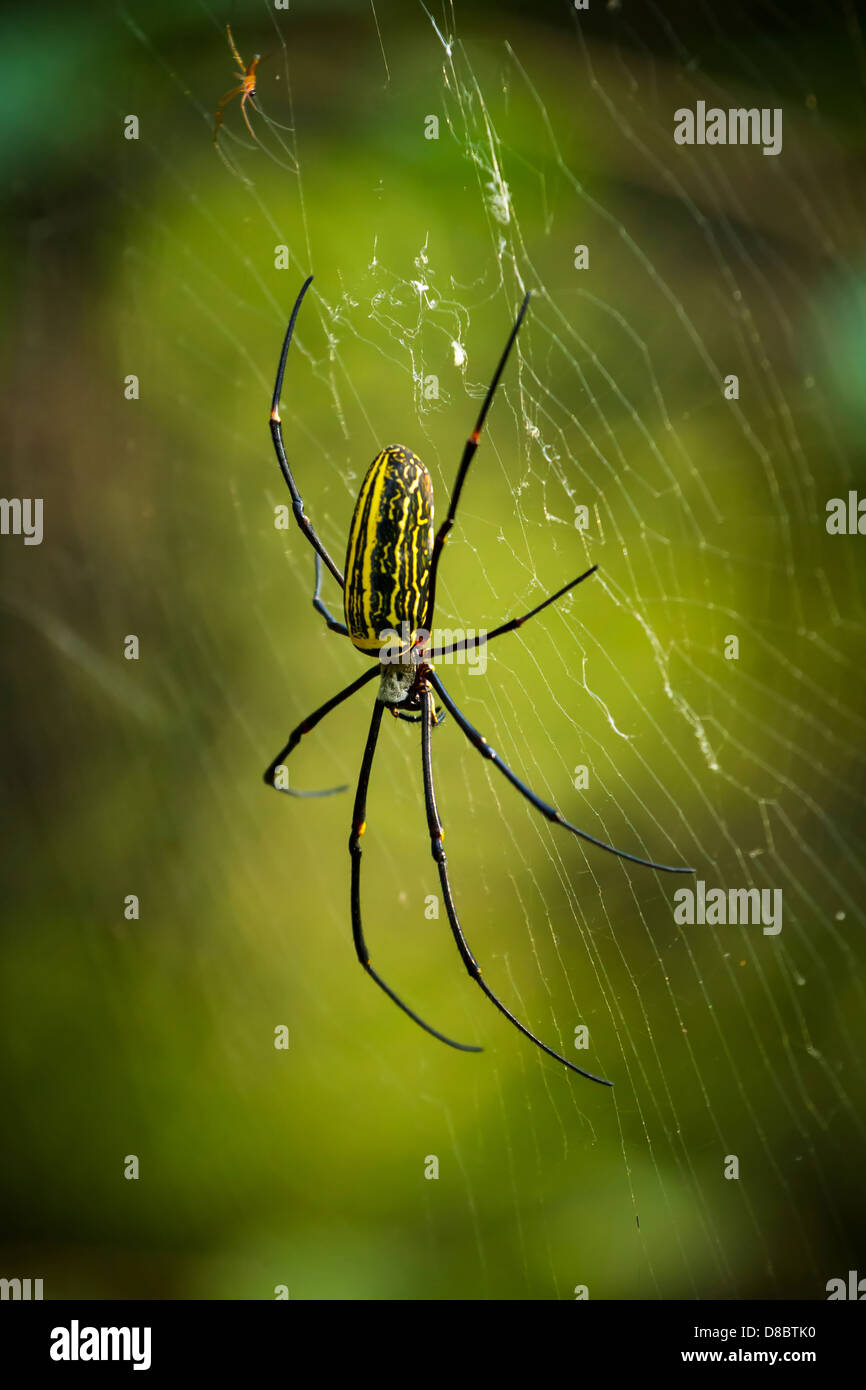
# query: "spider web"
706,518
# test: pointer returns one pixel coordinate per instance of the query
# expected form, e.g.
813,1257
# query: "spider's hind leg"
301,517
276,773
320,605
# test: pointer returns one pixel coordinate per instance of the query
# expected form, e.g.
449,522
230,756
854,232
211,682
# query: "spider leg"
435,827
237,57
359,825
416,718
468,455
248,96
277,435
549,811
229,96
321,607
304,728
474,642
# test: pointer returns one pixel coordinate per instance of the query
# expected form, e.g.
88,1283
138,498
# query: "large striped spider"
392,559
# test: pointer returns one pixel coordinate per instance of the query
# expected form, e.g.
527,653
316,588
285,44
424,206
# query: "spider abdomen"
389,551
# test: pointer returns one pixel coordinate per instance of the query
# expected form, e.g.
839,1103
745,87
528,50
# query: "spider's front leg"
434,825
549,812
359,826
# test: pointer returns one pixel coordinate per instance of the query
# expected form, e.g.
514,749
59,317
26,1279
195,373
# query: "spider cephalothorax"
389,592
398,686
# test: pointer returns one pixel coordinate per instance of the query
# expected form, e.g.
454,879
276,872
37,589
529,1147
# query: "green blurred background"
154,1037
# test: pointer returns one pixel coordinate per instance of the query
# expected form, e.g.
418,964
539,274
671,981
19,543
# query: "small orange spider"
246,90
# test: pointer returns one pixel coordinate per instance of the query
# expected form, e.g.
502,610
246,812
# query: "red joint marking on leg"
275,415
475,436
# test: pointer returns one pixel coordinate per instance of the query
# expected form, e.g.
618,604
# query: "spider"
392,561
246,90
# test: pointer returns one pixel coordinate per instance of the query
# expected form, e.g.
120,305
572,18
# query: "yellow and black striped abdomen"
389,550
